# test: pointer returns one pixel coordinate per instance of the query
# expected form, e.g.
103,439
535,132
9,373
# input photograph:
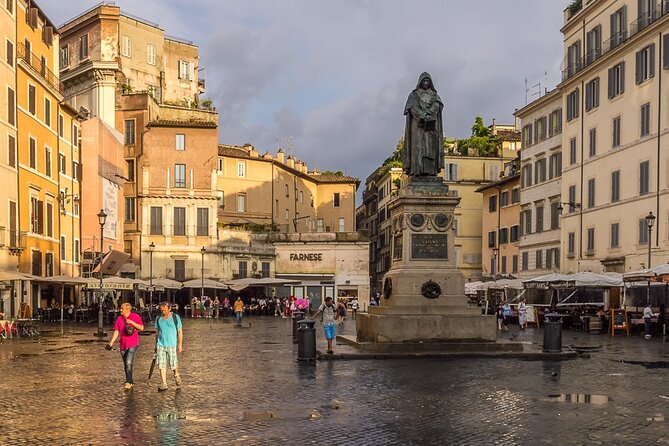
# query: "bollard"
306,340
552,333
298,316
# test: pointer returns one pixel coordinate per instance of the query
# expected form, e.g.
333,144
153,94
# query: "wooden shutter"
638,74
651,61
40,217
665,51
611,77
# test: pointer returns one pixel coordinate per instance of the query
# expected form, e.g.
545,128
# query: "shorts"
330,331
165,356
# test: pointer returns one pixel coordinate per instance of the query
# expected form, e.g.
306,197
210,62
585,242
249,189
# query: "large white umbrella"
167,283
240,284
207,283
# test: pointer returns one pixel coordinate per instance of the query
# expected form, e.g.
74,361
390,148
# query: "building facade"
616,120
540,188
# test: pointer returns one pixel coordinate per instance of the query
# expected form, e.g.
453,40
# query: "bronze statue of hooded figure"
423,135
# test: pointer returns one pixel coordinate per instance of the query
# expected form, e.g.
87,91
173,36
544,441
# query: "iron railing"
38,65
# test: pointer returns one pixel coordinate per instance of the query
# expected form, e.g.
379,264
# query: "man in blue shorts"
330,319
169,341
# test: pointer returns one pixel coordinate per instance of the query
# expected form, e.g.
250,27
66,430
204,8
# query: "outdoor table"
81,315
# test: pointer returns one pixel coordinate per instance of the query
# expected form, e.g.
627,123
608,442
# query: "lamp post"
202,251
495,251
650,221
152,246
102,219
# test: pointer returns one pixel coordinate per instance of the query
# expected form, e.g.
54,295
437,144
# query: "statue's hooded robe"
423,134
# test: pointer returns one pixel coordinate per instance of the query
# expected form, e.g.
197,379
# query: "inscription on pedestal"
429,246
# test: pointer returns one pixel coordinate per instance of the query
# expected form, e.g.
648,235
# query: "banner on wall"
110,205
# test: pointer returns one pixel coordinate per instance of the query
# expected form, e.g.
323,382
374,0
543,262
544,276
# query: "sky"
327,80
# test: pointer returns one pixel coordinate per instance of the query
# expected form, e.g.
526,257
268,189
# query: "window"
75,135
451,172
591,193
574,62
572,105
492,203
286,190
525,260
645,119
540,219
301,197
615,235
342,224
572,151
47,112
593,44
644,178
503,264
492,239
150,54
504,198
11,107
62,247
31,99
539,259
571,243
617,80
526,175
126,46
49,219
185,70
335,199
61,164
129,132
220,201
48,264
10,6
202,221
32,144
527,135
514,263
665,51
615,186
555,122
64,59
11,151
592,94
572,198
29,48
181,142
554,166
61,125
320,225
36,216
592,146
129,209
179,221
540,171
540,129
515,233
180,270
243,269
643,232
47,161
549,258
528,221
156,220
180,175
76,251
615,139
83,47
645,64
646,13
515,195
590,249
241,202
618,27
264,269
241,169
10,53
130,169
555,215
503,235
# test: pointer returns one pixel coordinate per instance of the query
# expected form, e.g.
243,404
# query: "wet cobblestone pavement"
65,389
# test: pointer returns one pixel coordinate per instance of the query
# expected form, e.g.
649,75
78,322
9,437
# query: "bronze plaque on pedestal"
429,246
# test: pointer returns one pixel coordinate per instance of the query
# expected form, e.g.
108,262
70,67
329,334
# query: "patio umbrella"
207,283
167,283
301,304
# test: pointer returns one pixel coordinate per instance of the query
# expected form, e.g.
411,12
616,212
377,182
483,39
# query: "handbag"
129,330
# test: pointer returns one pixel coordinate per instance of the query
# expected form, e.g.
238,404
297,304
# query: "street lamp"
102,219
572,206
152,246
495,251
650,221
202,251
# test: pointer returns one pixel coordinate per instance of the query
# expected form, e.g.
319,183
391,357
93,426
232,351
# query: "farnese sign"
311,257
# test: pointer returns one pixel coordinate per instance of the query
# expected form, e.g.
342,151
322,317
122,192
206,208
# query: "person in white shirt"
330,319
647,320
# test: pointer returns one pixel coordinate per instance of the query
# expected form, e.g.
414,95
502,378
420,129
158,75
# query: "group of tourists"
504,315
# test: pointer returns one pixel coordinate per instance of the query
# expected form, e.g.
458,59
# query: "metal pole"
101,332
150,279
650,231
202,274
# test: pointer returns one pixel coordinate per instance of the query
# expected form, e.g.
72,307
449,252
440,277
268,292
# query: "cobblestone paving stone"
65,389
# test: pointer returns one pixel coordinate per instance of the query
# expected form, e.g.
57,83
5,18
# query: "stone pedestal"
423,292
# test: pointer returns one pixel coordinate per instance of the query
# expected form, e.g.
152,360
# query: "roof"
233,151
504,180
182,123
332,178
508,135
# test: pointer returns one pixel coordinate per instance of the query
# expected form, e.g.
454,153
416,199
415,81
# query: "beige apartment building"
614,168
540,185
464,173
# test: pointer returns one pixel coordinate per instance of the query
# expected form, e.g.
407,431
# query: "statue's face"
425,83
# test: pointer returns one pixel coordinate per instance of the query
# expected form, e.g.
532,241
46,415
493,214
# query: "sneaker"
127,386
177,379
162,386
330,352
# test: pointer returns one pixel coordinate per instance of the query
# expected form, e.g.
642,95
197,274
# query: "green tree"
482,140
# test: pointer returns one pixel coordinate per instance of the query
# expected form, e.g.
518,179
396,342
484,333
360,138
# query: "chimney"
291,162
280,157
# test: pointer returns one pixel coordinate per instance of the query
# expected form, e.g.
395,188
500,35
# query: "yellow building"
614,90
47,154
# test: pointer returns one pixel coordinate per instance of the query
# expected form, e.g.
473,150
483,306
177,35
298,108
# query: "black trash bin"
306,340
297,316
552,333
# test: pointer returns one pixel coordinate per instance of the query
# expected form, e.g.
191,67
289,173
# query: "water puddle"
648,364
581,398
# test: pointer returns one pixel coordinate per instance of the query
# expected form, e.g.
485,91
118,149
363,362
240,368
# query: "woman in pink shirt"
128,325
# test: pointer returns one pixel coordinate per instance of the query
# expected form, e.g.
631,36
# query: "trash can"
306,340
552,333
297,316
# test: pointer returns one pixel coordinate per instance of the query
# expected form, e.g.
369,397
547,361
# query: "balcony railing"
37,64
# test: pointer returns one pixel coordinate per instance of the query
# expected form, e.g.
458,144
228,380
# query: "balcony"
37,65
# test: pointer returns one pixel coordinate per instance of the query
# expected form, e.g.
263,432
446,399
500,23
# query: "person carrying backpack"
169,342
330,319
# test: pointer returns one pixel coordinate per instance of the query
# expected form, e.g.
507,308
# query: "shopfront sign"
309,257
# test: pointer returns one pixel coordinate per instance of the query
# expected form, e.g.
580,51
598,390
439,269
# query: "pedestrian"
507,315
522,314
354,307
330,319
648,320
169,342
500,317
207,307
226,306
127,327
341,311
217,305
194,307
239,310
